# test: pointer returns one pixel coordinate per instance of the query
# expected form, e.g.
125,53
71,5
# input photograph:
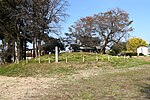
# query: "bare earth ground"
91,84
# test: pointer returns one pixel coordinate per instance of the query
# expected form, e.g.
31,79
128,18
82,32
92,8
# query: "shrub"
141,54
131,54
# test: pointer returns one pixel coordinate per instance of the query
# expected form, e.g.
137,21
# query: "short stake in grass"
26,60
66,60
49,60
108,58
124,57
39,60
83,59
97,58
128,57
17,61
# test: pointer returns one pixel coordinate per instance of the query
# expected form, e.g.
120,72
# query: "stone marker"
56,54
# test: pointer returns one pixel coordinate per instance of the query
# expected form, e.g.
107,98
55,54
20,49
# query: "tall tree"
9,14
83,31
22,18
45,18
111,27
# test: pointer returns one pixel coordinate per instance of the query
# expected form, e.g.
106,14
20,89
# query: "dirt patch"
15,88
30,88
81,85
143,58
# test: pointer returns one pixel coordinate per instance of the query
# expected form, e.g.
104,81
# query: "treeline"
23,21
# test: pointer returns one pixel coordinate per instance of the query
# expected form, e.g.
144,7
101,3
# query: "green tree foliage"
134,43
51,44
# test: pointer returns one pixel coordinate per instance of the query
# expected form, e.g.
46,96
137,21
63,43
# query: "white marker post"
97,58
26,60
83,59
56,54
124,57
39,60
66,60
49,60
108,58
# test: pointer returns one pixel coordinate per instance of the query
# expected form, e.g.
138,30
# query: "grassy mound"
68,64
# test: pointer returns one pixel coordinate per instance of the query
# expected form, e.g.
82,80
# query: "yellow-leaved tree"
134,43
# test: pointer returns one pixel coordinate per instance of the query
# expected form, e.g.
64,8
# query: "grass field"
74,62
105,78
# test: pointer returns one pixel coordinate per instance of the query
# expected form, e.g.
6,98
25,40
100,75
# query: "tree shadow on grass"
145,88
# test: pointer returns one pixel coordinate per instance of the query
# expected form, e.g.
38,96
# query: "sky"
139,12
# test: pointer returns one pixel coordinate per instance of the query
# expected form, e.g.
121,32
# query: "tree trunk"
34,48
104,46
14,51
3,47
104,50
23,49
19,50
39,47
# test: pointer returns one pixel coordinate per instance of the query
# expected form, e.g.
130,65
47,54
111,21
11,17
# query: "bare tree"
111,27
10,13
45,18
83,31
34,18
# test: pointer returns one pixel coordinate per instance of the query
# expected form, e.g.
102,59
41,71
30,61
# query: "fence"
76,58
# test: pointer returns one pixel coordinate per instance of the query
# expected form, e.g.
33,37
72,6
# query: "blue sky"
139,12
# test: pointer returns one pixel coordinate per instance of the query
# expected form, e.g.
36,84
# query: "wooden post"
26,60
124,57
108,58
39,60
49,60
83,59
66,60
56,54
97,58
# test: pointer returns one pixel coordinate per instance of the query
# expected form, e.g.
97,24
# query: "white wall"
143,50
